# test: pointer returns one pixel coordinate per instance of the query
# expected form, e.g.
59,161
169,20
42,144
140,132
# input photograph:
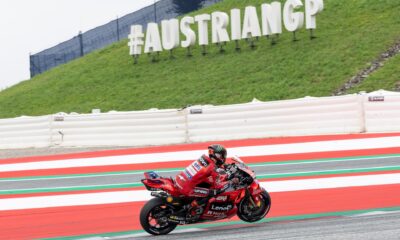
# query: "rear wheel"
154,217
248,213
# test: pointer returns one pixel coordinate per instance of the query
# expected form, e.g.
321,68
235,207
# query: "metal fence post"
155,11
31,65
81,42
117,29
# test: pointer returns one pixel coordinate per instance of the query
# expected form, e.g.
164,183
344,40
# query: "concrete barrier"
374,112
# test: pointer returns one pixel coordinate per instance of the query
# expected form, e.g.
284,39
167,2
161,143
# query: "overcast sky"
30,26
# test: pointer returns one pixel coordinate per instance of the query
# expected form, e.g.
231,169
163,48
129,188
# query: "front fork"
253,196
255,201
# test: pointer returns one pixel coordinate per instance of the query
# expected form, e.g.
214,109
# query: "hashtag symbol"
136,40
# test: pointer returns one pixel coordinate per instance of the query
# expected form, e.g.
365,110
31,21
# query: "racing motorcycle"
246,199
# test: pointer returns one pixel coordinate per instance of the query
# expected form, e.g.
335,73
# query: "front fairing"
243,166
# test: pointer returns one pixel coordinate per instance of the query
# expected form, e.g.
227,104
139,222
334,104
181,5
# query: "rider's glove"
235,181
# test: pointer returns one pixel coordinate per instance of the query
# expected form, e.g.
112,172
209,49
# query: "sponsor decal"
196,166
178,185
187,174
376,98
217,214
176,219
203,162
181,178
201,191
191,170
221,207
222,198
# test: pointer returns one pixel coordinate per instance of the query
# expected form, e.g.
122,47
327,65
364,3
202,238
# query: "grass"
387,78
350,34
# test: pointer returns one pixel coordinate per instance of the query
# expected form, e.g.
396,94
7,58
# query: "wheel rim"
255,213
158,218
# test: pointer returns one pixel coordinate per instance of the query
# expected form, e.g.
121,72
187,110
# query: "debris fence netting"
111,32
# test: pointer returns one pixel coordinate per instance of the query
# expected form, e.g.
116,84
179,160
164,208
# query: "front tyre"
154,217
248,213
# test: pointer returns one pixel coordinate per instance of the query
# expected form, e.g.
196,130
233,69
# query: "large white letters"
170,33
236,24
153,41
242,26
251,26
136,40
271,18
220,21
188,32
293,20
202,21
313,7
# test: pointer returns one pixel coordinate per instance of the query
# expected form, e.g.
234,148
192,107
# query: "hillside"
350,35
387,77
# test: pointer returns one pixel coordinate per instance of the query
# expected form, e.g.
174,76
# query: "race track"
267,169
327,187
378,225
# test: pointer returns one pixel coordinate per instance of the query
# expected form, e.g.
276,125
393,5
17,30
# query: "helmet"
217,153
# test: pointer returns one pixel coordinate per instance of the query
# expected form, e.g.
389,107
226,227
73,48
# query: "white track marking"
265,150
144,195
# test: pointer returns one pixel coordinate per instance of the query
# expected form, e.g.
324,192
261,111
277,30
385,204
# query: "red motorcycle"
247,199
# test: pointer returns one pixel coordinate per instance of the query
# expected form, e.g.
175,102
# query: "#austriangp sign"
248,26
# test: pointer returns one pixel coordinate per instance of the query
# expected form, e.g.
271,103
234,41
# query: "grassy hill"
386,78
350,34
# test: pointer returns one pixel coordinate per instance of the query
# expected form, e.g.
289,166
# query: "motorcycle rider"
202,178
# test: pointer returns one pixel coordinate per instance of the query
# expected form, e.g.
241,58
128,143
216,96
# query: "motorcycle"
246,199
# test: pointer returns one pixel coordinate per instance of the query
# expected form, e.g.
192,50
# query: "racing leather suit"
203,170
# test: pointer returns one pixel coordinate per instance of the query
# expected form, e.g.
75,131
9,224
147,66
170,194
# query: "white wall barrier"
306,116
375,112
25,132
119,128
382,111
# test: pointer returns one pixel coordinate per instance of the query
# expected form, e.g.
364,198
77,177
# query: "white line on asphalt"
67,187
144,195
249,151
135,183
178,170
333,170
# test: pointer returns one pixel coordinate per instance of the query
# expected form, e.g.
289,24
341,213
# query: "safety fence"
111,32
374,112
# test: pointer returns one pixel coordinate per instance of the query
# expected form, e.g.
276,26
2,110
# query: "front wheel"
248,213
154,217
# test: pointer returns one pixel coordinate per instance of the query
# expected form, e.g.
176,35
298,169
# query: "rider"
201,179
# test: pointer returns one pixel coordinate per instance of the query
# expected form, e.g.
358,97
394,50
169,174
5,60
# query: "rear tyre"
154,217
248,213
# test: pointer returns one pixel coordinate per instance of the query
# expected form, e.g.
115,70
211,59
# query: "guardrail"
374,112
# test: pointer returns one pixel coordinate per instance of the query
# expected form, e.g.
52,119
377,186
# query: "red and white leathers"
203,170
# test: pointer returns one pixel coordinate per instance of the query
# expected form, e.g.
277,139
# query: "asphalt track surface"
260,169
377,225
